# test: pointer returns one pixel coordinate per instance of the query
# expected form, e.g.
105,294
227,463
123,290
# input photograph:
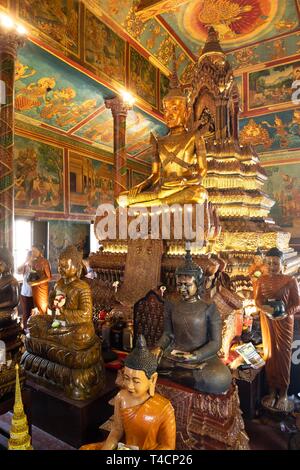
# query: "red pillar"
119,111
9,43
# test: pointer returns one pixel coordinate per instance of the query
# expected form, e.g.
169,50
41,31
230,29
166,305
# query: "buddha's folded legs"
214,377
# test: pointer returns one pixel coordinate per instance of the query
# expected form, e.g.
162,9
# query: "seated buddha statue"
9,292
143,419
66,339
192,336
273,290
179,160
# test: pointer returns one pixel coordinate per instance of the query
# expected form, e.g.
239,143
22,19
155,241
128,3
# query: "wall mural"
142,78
39,173
284,186
90,182
272,86
50,91
64,233
58,19
271,132
104,49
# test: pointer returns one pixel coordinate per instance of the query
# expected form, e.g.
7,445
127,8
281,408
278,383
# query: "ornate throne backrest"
149,318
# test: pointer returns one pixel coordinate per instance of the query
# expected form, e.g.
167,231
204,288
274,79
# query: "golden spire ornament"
19,433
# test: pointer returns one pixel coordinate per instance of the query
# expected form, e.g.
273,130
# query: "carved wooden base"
206,421
75,422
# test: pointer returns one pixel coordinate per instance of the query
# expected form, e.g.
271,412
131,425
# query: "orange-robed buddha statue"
277,297
179,163
143,419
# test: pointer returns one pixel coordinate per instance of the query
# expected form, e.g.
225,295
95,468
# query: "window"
22,240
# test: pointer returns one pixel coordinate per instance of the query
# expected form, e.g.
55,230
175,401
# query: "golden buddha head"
70,263
175,112
139,375
274,261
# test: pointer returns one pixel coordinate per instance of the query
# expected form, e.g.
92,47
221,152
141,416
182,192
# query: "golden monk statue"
179,158
66,340
277,296
143,419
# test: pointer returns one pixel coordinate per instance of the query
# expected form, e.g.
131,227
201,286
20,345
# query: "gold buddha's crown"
212,45
175,89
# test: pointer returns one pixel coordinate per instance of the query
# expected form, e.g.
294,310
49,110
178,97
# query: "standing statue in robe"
277,297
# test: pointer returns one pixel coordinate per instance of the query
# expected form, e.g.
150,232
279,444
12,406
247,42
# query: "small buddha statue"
143,419
277,297
179,163
9,292
256,269
192,336
66,339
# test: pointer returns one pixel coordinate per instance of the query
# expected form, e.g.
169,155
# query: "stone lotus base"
204,421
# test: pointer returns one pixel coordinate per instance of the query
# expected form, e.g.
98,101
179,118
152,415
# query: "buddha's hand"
268,309
157,352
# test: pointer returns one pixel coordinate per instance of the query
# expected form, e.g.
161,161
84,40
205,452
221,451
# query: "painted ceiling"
52,94
238,22
81,52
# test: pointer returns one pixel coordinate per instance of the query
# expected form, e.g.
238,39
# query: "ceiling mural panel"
104,49
142,78
51,92
138,127
57,19
237,21
248,57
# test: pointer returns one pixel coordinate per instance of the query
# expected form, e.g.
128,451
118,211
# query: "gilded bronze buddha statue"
143,419
66,340
179,163
192,336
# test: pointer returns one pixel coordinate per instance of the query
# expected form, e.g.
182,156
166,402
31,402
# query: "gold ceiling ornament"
165,50
133,24
20,438
149,8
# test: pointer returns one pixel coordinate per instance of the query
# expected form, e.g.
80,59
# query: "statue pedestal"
204,421
72,421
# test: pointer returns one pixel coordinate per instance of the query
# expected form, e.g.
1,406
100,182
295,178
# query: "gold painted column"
10,41
119,108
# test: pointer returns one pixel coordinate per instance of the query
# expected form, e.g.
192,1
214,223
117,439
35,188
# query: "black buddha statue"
192,336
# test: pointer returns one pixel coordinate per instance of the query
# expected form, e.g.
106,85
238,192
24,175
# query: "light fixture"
127,97
8,23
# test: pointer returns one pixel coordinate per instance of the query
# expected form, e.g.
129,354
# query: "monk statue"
39,278
9,292
66,339
143,419
277,297
192,336
179,161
